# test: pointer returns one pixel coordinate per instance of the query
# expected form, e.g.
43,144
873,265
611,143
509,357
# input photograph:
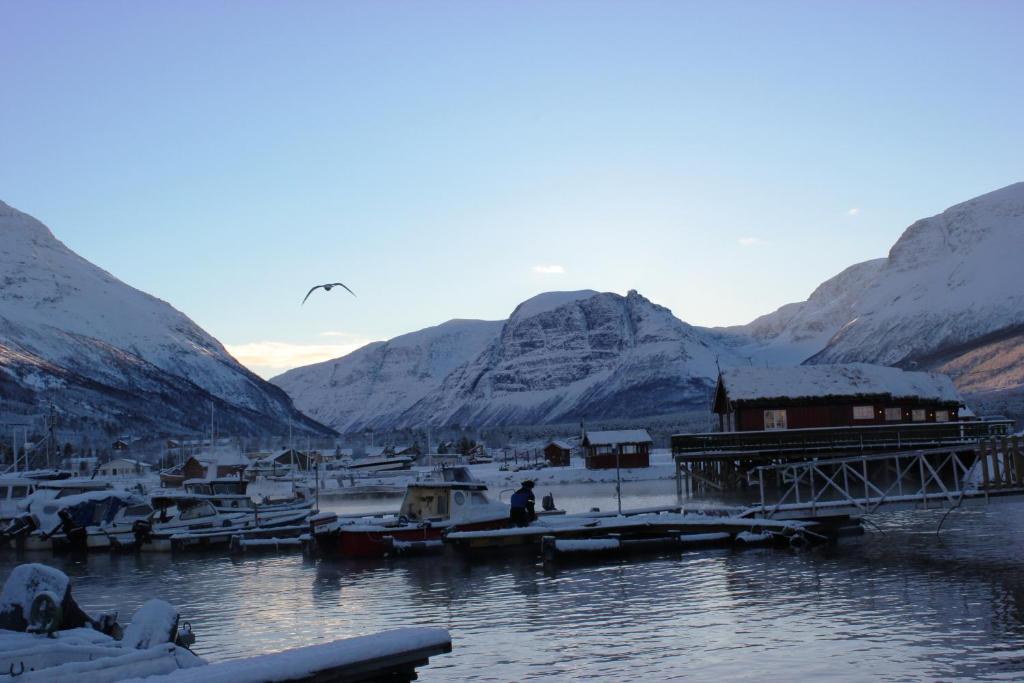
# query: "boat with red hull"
428,511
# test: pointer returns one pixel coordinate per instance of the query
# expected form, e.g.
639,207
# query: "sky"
451,159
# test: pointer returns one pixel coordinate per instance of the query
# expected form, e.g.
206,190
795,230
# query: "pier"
728,461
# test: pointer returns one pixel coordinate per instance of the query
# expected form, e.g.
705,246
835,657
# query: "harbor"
920,605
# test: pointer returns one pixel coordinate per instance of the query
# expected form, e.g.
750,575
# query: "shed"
621,448
813,396
558,453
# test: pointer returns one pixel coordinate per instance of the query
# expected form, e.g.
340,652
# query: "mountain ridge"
111,356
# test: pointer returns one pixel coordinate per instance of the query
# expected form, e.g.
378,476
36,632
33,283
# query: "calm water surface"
896,604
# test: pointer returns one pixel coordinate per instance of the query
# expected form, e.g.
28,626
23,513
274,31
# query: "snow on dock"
391,655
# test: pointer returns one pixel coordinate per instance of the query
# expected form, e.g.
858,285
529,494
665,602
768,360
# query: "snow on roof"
619,436
853,379
561,444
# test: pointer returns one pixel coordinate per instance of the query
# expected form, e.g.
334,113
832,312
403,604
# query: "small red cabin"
558,454
851,395
622,448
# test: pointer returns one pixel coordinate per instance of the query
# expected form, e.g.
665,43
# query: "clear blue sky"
721,158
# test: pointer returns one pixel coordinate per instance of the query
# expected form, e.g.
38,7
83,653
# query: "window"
918,415
893,414
19,491
863,413
628,448
942,416
774,419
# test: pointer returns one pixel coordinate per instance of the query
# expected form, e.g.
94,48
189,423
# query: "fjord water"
898,603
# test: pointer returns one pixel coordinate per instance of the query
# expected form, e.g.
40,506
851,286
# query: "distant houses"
812,396
621,448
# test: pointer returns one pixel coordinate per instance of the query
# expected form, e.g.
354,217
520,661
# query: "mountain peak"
549,301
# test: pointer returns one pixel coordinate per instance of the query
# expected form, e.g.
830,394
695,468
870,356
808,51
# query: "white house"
122,468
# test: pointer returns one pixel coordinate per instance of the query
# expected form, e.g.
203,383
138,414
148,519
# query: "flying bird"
327,287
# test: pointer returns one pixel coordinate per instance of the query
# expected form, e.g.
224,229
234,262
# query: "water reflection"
897,605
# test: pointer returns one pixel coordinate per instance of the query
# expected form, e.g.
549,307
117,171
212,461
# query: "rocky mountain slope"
112,357
561,356
377,384
947,297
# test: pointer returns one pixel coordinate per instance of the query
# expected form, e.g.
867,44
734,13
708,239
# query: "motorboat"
428,511
89,520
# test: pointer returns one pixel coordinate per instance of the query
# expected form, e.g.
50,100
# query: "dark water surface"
897,604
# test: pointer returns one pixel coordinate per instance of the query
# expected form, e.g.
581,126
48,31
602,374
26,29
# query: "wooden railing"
841,439
1002,465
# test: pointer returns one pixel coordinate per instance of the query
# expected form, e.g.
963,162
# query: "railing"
839,439
863,484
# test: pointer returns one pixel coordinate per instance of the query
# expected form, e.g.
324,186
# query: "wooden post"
1007,465
1018,462
983,459
997,476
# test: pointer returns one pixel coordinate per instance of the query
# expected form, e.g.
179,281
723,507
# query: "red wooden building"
809,396
558,454
622,448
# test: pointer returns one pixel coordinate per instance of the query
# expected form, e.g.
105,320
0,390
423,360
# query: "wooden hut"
621,448
815,396
558,454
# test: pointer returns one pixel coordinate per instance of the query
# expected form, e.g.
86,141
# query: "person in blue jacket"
523,502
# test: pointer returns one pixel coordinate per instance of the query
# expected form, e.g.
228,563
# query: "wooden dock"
727,461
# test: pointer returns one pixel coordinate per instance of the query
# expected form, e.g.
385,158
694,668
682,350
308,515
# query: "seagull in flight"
327,287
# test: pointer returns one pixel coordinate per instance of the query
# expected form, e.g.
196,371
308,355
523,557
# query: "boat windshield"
425,503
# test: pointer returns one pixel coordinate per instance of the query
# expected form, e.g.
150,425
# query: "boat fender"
797,542
45,614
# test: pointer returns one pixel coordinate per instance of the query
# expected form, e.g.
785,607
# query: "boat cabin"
444,501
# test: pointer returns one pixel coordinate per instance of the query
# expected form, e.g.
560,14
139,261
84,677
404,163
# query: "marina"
921,605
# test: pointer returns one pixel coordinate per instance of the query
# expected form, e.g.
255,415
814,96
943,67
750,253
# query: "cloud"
853,212
750,241
334,333
549,270
269,358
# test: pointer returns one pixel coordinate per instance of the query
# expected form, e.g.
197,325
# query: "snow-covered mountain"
948,297
108,355
560,356
377,384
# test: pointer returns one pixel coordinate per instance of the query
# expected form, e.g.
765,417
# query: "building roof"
619,436
561,444
849,380
130,461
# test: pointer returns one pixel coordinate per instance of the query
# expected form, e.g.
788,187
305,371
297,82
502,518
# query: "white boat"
82,521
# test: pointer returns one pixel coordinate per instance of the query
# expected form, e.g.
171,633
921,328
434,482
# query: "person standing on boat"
523,502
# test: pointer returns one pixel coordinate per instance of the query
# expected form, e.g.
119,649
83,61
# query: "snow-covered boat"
84,521
428,511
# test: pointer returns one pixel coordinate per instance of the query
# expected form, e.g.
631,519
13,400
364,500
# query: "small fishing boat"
428,511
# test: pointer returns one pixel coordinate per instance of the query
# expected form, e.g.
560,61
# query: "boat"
91,520
428,511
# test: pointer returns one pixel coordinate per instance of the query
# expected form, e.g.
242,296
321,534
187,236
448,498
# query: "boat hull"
380,541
